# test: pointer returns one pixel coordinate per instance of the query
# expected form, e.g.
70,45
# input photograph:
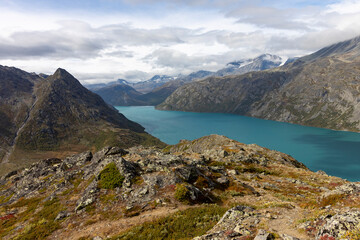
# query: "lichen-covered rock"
236,222
348,188
338,225
88,196
288,237
263,235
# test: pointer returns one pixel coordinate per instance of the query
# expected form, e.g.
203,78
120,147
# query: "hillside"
318,90
209,188
120,95
56,116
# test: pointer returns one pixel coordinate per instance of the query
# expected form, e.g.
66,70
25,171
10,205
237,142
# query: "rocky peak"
62,78
38,117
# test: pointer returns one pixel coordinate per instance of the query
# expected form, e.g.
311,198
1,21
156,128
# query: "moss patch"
182,193
110,177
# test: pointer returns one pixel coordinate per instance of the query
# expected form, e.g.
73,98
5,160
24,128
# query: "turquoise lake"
335,152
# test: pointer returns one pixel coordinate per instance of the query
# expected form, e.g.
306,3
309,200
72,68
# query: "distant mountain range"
321,90
155,90
44,117
142,87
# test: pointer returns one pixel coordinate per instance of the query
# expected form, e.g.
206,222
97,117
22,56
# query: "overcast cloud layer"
102,40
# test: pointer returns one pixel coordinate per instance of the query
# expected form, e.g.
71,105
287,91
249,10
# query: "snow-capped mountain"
262,62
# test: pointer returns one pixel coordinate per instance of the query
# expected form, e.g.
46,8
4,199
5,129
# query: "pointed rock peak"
61,76
61,73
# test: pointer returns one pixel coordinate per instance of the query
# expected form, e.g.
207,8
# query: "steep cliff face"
318,90
46,117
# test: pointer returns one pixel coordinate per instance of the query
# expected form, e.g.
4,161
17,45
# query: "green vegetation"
254,169
110,177
167,149
39,230
105,139
38,139
38,225
182,225
115,139
108,198
182,193
147,140
4,198
218,164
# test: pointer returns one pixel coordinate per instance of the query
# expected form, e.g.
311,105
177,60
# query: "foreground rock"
269,194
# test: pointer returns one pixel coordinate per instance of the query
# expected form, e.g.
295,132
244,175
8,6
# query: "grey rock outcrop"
337,225
235,222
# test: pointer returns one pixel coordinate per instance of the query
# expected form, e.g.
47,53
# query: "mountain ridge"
318,90
165,88
56,116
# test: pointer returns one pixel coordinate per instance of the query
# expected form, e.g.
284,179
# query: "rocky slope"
120,95
56,116
209,188
318,90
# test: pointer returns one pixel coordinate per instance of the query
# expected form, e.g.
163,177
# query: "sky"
103,40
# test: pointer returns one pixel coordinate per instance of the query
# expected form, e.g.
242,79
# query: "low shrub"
185,224
182,193
331,200
110,177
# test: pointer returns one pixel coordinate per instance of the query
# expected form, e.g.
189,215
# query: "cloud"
73,39
76,39
139,38
172,61
269,17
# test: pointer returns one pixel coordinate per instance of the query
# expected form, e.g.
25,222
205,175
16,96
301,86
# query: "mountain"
262,62
265,61
318,90
151,84
159,94
120,95
142,87
55,116
125,94
159,87
208,188
96,86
